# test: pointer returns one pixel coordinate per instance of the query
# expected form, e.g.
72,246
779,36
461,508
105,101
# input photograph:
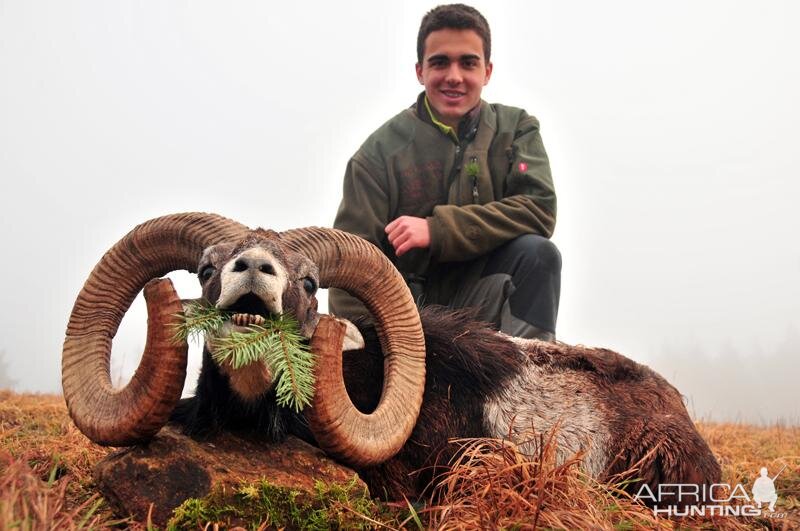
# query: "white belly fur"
536,402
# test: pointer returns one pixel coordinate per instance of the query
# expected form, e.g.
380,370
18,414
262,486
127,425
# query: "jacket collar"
467,126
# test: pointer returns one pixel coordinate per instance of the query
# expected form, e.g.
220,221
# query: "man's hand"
407,232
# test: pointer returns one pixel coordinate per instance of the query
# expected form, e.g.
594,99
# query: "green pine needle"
293,363
277,343
199,319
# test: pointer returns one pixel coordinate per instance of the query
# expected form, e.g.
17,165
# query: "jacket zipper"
455,171
457,166
475,197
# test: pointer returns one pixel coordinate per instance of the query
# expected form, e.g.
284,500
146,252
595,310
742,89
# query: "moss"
192,512
329,506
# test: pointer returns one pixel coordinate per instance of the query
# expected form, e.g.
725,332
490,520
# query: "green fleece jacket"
490,186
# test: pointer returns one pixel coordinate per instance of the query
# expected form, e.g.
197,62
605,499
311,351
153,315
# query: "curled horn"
120,417
350,263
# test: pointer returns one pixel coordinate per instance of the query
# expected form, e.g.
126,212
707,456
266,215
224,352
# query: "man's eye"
206,273
470,63
309,285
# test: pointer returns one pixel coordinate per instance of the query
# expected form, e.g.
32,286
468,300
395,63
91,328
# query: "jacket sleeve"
528,205
363,211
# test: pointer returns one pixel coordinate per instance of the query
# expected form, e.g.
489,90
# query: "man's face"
454,72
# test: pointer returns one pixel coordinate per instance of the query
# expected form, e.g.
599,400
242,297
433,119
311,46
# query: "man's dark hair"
454,16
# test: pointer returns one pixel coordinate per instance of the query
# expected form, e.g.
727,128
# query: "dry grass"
46,467
495,486
46,480
27,502
742,450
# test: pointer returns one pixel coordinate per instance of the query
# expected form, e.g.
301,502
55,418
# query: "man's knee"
536,252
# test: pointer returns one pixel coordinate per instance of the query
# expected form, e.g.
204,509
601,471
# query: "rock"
173,467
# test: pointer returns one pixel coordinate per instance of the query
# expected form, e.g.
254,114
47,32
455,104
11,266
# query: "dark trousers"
516,287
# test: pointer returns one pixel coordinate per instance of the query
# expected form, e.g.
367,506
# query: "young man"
457,192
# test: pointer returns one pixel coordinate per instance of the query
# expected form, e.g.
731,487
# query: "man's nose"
454,75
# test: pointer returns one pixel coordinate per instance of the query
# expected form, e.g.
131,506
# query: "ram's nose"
252,263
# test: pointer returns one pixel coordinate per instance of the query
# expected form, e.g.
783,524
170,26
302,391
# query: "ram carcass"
388,405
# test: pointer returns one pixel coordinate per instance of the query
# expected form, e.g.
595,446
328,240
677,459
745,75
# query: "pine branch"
277,343
294,362
242,348
199,319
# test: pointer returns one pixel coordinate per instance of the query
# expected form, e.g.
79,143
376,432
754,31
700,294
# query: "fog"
671,129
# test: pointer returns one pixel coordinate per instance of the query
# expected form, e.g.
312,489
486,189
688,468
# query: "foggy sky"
671,129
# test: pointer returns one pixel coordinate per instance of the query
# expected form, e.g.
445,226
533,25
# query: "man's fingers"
399,238
402,249
394,224
394,234
406,233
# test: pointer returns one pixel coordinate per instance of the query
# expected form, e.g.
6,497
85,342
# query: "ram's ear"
353,340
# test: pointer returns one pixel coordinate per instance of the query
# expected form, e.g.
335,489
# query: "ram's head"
251,282
252,274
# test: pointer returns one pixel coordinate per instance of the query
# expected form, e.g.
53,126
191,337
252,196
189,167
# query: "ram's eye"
309,285
206,273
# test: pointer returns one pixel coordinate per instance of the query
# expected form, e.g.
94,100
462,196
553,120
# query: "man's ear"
418,68
489,67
